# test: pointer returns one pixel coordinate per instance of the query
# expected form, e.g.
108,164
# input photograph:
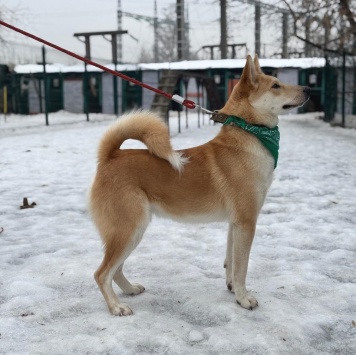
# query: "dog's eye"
276,86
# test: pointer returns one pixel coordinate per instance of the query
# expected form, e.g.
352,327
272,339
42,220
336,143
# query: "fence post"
116,106
45,83
179,130
343,88
185,82
86,84
5,102
197,80
114,59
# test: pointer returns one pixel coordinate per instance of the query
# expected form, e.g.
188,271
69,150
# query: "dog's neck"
220,117
269,137
243,109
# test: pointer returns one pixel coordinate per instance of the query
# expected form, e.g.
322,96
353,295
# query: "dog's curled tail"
146,127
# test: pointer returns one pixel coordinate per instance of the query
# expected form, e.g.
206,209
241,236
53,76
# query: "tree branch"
344,4
297,16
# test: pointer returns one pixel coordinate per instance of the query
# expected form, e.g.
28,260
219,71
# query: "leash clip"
188,103
219,117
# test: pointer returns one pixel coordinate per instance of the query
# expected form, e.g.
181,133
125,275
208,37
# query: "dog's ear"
249,74
257,64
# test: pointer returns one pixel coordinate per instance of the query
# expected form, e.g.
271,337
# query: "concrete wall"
34,95
73,96
107,81
150,78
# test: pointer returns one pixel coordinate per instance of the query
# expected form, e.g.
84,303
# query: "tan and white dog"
226,179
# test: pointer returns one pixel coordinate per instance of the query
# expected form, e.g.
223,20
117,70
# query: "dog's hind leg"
125,285
103,277
120,279
118,247
228,259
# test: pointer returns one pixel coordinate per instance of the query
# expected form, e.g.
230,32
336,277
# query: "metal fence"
333,90
340,89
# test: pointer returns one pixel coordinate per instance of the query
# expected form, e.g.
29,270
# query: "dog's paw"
229,285
121,309
247,302
136,289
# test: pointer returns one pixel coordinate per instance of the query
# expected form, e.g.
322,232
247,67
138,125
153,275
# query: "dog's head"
260,98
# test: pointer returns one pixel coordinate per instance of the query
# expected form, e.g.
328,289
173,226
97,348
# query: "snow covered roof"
302,63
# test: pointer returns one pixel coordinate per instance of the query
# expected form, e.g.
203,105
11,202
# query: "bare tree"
8,14
166,39
167,36
324,25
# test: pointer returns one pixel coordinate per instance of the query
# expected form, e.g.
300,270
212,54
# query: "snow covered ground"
302,267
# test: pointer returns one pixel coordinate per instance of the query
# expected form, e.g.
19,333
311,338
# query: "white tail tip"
177,160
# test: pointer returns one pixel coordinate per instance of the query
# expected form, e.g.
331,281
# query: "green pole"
343,88
116,106
114,59
86,84
45,83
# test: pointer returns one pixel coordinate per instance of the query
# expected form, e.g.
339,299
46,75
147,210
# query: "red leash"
187,103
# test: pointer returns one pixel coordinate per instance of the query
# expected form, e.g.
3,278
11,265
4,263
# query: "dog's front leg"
228,259
243,234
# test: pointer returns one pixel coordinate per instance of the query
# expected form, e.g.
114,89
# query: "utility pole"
156,22
307,47
258,29
223,30
258,5
284,35
180,29
155,30
119,27
187,39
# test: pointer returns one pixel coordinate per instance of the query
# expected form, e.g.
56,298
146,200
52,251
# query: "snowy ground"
302,266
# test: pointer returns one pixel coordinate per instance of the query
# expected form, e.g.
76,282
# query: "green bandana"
269,137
